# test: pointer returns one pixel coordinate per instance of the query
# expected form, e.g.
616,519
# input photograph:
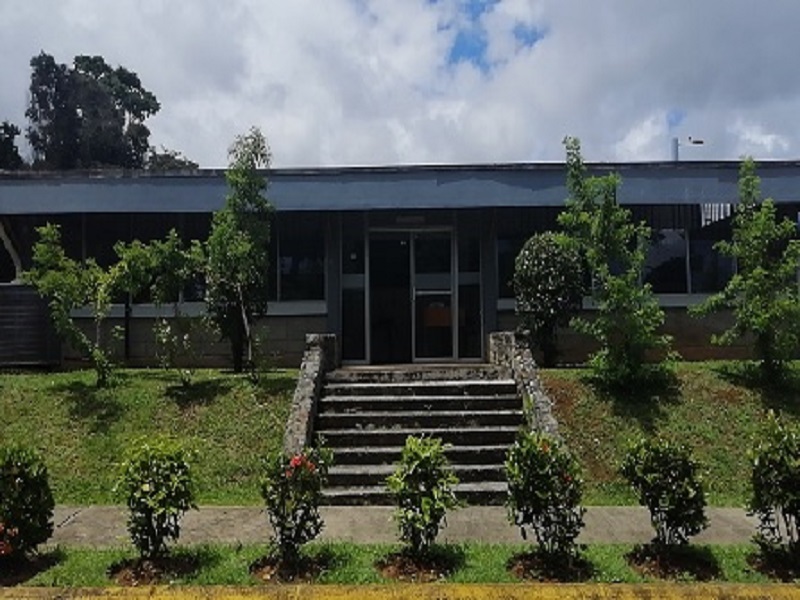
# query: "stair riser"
383,499
488,388
372,479
417,374
459,456
368,404
448,420
388,437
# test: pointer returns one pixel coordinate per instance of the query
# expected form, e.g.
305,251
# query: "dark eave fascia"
384,187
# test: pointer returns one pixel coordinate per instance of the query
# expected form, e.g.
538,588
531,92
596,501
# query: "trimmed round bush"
545,489
26,501
665,478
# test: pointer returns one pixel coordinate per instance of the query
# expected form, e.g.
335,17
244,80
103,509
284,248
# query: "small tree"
548,284
292,490
763,294
237,249
172,267
665,478
775,481
544,492
68,284
628,316
156,484
422,486
26,502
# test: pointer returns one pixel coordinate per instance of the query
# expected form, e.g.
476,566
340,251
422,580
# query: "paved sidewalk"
104,526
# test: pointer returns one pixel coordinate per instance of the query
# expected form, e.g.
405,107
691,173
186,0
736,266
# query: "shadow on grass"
180,563
89,403
538,566
18,570
644,400
683,563
198,393
277,384
439,562
778,563
779,392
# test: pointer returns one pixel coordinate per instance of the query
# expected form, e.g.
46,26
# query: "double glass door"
411,296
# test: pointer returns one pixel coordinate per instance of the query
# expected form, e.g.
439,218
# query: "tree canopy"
9,153
87,114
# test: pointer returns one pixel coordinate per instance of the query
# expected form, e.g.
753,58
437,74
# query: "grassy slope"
714,410
81,431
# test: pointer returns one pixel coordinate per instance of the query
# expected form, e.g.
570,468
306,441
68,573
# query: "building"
405,264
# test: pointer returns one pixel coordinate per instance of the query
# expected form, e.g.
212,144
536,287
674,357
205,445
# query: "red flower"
296,461
310,466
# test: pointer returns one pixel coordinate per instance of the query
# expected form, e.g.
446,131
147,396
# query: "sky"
386,82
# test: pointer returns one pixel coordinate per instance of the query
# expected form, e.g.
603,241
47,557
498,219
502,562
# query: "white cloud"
368,81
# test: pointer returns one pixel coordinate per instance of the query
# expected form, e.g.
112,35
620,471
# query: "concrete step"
483,493
346,404
463,436
375,475
378,455
426,418
471,387
419,372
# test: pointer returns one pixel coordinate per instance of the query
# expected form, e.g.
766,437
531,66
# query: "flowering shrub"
292,490
776,487
156,484
422,486
544,492
665,478
26,502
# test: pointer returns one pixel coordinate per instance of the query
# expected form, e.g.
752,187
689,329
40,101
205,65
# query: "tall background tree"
87,115
237,249
9,153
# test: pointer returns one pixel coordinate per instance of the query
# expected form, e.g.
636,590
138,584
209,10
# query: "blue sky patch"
469,46
675,117
528,35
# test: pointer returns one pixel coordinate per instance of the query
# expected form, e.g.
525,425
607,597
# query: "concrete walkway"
104,526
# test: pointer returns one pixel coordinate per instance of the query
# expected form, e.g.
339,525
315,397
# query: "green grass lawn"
715,409
81,431
355,564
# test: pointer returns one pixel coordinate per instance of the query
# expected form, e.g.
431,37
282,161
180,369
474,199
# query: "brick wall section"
509,349
691,337
284,339
320,356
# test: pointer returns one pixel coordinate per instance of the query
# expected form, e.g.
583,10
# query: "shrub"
548,285
544,492
665,478
776,487
156,484
26,502
422,486
291,486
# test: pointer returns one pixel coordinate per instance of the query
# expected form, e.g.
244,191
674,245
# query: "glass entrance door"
432,295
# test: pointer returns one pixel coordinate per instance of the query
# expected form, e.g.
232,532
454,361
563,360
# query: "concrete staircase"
366,413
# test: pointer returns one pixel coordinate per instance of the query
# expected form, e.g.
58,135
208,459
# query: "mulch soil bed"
535,566
677,562
151,571
777,564
269,569
405,567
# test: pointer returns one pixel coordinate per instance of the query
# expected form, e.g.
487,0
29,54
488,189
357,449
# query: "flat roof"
384,187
